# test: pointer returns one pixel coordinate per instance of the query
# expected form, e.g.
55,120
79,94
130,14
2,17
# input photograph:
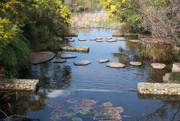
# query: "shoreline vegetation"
36,24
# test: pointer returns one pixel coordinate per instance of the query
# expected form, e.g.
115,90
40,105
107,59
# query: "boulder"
176,67
135,63
82,62
158,65
82,39
68,56
40,57
115,65
60,61
103,60
110,40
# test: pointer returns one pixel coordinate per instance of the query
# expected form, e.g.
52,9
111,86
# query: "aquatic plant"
105,111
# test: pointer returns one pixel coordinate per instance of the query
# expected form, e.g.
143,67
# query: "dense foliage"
26,24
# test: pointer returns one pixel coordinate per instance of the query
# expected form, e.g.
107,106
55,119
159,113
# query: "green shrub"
175,77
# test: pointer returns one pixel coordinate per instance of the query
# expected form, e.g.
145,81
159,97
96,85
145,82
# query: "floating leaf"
76,119
60,112
71,101
108,104
69,115
118,109
54,105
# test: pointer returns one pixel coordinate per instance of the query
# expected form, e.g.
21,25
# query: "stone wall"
19,84
159,88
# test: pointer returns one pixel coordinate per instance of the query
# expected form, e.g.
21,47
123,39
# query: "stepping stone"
120,39
176,67
103,60
60,61
98,37
115,65
59,39
67,37
92,39
135,63
134,40
71,40
158,65
82,39
68,55
108,37
111,40
98,40
82,62
40,57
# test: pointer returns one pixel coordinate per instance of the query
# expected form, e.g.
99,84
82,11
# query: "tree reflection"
16,105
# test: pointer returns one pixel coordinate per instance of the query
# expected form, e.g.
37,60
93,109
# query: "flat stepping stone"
92,39
59,39
98,40
135,63
110,40
68,56
67,37
82,39
134,40
98,37
108,37
103,60
60,61
115,65
120,38
158,65
40,57
82,62
176,67
71,40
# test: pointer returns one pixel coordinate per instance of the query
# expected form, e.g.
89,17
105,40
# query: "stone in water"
60,61
158,65
135,63
103,60
92,39
82,62
115,65
110,40
68,55
120,39
134,40
98,37
108,37
67,37
83,39
98,40
71,40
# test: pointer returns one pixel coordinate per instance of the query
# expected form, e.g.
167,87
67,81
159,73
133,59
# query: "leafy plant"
175,77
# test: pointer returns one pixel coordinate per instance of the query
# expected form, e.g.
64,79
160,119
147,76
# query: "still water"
93,92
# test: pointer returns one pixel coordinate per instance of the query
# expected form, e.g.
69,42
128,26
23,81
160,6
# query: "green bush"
175,77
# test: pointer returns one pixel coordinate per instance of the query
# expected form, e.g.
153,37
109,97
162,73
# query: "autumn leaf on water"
71,101
108,104
54,105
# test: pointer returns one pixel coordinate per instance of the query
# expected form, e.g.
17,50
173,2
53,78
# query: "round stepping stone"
60,61
158,65
98,37
82,62
68,55
103,60
134,40
115,65
108,37
92,39
120,39
135,63
67,37
82,39
111,40
71,40
98,40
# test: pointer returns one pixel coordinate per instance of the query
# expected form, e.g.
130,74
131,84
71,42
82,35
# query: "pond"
93,92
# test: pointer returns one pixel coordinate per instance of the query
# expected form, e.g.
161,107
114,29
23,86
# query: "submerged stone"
82,39
98,37
110,40
115,65
135,63
158,65
176,67
134,40
103,60
40,57
98,40
92,39
68,56
82,62
60,61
